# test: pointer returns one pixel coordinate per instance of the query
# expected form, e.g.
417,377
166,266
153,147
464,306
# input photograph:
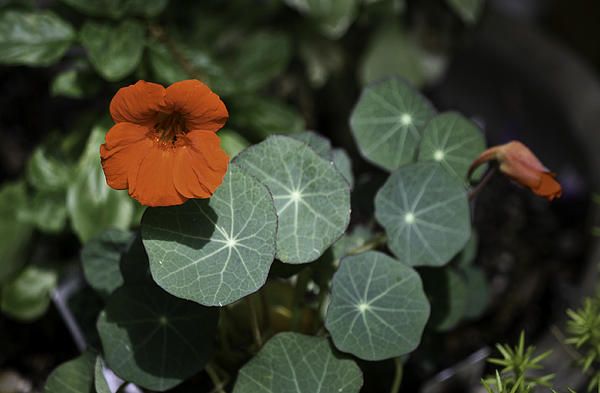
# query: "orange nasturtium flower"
163,148
520,164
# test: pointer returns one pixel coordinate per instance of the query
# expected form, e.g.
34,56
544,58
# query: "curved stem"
481,185
397,375
214,377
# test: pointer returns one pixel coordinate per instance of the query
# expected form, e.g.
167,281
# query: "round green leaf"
425,213
113,51
378,309
33,38
99,381
387,122
214,251
311,196
453,141
27,297
101,258
76,375
263,117
318,143
153,339
447,291
295,363
343,164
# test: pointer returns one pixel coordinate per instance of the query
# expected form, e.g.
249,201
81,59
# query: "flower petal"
548,188
202,108
126,145
154,182
138,103
200,165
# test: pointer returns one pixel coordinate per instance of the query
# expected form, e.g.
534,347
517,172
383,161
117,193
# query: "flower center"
169,126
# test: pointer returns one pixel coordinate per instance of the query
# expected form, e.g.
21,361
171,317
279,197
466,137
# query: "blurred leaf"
159,343
99,381
46,211
468,254
118,8
292,362
425,213
478,295
447,292
47,173
114,51
91,204
75,82
333,16
378,309
164,66
76,375
214,251
468,10
263,116
392,51
14,234
387,122
101,257
322,59
311,197
232,142
453,141
27,297
37,38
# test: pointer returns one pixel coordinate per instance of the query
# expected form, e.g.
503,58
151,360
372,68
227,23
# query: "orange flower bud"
520,164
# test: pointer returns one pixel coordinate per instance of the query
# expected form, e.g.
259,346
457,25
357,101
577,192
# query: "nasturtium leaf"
36,38
99,381
118,8
425,213
114,51
101,257
76,375
153,339
14,232
447,292
311,196
387,122
343,164
263,117
46,211
214,251
296,363
161,62
378,309
92,206
47,173
320,144
334,17
453,141
468,10
232,142
27,296
76,82
478,292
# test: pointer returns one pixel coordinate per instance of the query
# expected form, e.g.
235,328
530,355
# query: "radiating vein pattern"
311,197
387,122
378,308
214,251
425,214
295,363
154,339
452,141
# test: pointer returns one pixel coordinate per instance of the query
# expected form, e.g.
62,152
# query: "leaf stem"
254,322
299,292
481,185
377,241
397,375
214,377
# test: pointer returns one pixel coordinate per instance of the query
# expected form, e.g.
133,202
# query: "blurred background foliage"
281,66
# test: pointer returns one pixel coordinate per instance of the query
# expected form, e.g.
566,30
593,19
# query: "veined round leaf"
447,291
387,122
99,381
153,339
343,164
214,251
311,196
33,38
113,51
100,259
320,144
425,213
453,141
76,375
378,309
295,363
